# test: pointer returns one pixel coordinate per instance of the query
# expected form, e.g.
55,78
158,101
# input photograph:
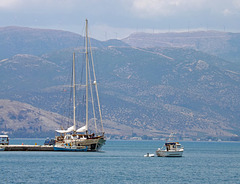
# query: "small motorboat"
149,155
4,140
172,149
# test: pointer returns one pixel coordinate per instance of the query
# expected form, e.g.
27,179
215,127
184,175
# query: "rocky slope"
144,91
17,119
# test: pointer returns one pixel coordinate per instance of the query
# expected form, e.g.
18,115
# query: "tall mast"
86,74
74,94
95,83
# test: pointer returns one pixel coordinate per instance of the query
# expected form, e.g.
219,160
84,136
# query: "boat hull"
70,149
165,153
92,144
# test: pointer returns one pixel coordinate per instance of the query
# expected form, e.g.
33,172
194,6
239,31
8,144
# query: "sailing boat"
74,139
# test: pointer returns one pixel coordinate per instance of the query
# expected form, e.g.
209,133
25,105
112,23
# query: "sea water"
124,162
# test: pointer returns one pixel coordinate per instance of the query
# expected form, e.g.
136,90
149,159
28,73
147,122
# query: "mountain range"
150,84
225,45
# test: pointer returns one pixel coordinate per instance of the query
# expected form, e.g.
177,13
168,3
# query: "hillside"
148,91
18,119
223,44
22,40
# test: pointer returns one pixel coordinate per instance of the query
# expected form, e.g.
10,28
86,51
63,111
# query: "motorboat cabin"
4,140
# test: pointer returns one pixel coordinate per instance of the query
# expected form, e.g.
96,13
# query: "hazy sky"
119,18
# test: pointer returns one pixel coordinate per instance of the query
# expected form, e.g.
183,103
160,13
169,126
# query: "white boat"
149,155
170,149
4,140
81,137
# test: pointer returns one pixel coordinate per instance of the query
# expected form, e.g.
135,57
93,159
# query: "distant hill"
23,40
223,44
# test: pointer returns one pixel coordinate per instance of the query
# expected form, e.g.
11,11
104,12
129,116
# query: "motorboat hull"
171,153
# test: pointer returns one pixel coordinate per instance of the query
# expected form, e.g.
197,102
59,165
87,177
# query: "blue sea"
124,162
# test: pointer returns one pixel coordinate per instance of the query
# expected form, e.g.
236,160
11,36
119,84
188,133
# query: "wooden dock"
27,148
